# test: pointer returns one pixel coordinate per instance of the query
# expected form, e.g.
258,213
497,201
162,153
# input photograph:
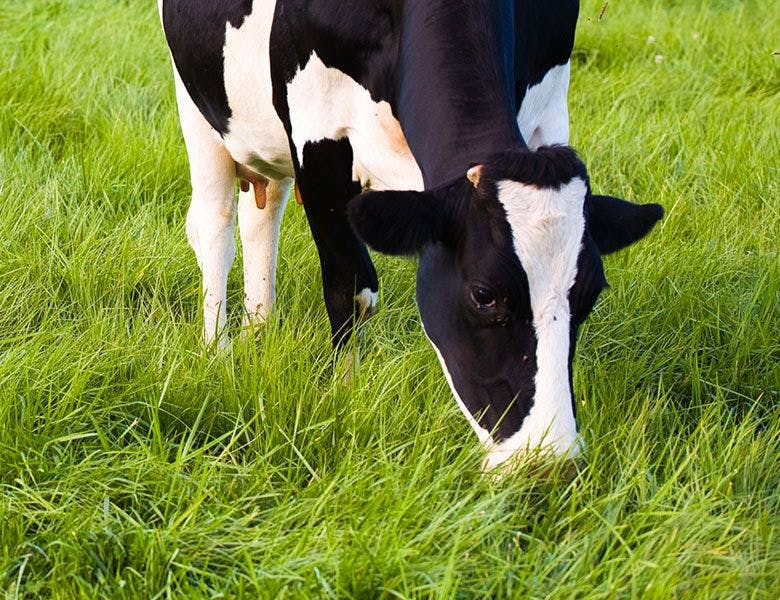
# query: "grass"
133,463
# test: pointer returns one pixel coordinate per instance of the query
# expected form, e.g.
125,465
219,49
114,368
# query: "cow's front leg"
349,279
260,244
211,216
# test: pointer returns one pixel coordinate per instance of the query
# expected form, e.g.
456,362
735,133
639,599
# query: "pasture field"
134,463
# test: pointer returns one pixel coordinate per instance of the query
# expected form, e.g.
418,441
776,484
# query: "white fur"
211,216
544,113
256,135
260,244
367,300
328,104
547,228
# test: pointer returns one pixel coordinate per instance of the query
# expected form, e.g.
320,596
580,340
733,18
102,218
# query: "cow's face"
510,265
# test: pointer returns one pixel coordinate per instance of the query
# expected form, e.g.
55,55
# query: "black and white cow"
460,102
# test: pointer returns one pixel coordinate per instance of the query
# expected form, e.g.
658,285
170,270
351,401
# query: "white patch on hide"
544,115
256,136
325,103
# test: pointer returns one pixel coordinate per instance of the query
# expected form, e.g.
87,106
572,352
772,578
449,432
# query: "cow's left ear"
615,223
396,222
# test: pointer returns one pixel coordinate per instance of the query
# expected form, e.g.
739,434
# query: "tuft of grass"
133,463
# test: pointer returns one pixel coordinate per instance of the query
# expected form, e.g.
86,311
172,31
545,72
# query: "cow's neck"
455,84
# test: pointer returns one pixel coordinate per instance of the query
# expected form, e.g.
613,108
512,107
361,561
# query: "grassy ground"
134,464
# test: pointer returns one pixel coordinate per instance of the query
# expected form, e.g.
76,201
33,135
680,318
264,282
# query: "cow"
436,128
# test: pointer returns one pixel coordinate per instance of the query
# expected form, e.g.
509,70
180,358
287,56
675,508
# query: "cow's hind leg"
260,244
211,216
348,276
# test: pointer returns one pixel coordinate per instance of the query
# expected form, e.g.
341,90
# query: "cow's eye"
483,297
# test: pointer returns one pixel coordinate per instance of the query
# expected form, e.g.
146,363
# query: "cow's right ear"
398,223
615,223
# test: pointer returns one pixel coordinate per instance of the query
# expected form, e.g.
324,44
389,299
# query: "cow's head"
510,266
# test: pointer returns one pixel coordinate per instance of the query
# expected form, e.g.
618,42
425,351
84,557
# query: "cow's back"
333,74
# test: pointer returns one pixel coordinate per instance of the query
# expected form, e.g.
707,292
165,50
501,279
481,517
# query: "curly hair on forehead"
546,167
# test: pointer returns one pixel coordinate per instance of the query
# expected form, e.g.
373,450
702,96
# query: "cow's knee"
210,224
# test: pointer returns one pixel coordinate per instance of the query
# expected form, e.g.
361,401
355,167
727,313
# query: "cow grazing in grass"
429,127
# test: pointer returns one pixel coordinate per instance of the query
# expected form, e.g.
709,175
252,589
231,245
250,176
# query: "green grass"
134,463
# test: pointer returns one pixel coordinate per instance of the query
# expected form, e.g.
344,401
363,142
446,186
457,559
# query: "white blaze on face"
547,228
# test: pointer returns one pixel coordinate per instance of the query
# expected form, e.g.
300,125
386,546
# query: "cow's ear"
398,223
615,223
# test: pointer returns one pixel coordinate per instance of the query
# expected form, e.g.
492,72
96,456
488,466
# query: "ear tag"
474,174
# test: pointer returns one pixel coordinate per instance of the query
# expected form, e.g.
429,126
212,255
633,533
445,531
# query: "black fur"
615,223
547,167
455,97
195,31
536,48
346,266
490,357
401,223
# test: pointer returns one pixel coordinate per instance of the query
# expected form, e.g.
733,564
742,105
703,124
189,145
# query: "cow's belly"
255,136
326,103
